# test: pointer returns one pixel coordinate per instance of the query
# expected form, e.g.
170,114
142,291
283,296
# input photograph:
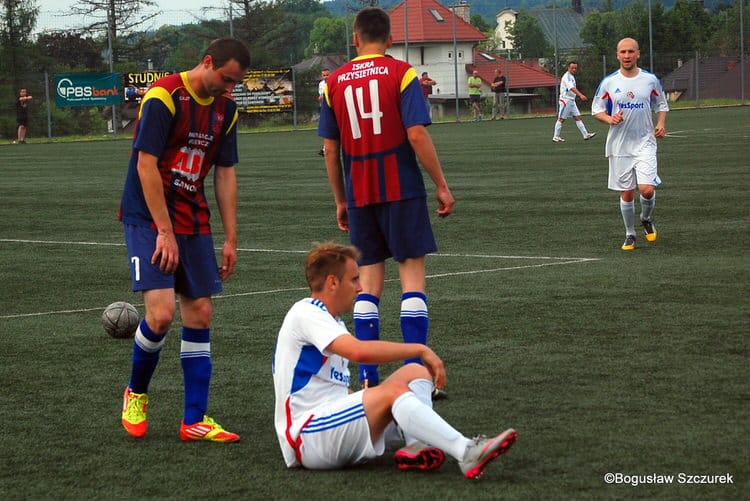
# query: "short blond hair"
327,258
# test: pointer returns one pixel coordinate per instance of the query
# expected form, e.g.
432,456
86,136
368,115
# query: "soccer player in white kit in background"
568,107
626,100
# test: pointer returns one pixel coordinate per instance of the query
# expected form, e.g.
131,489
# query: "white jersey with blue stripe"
638,98
567,84
305,375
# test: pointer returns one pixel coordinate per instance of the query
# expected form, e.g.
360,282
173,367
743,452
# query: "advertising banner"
87,89
136,84
265,91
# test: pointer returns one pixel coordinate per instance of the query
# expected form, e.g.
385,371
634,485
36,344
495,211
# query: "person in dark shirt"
499,87
22,114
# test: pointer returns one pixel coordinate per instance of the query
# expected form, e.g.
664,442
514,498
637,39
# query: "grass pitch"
605,361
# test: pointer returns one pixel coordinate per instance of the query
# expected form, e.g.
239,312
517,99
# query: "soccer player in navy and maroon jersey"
374,114
187,123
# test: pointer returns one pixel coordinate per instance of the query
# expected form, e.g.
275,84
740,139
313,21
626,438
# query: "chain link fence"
689,79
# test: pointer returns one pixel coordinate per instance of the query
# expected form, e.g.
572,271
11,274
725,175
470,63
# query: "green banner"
87,89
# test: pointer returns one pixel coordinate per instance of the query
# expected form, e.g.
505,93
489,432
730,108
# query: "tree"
677,33
479,23
527,37
18,18
600,32
725,37
687,26
277,32
17,22
113,16
328,36
64,51
173,48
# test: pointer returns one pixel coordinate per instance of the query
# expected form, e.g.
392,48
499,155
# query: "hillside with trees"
488,8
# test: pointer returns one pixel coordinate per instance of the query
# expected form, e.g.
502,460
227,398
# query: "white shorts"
568,109
626,173
338,435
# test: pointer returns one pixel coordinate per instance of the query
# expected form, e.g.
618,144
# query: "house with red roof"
433,39
523,79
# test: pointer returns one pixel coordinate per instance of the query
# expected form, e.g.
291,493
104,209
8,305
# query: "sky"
52,13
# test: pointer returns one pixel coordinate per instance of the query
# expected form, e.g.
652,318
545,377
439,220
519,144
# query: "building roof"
563,24
719,77
518,74
429,21
330,62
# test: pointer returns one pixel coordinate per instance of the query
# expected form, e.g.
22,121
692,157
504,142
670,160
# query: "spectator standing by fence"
499,87
22,114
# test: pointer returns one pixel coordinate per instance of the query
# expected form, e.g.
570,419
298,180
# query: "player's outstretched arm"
380,352
424,148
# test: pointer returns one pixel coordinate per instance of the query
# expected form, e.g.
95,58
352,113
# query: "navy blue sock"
195,357
414,320
367,328
146,350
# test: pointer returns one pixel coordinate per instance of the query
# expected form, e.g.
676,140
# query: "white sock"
558,128
628,216
647,207
421,422
422,388
581,127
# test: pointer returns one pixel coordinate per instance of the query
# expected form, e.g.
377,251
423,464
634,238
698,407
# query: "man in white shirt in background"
324,73
568,107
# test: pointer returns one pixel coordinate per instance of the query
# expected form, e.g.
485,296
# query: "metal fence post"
697,80
49,105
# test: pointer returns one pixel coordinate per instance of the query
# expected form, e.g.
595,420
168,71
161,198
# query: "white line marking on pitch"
556,261
286,251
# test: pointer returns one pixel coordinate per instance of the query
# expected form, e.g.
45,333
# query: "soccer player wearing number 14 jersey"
374,116
186,125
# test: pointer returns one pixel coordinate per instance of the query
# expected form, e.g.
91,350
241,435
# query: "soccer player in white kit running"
626,100
568,106
320,424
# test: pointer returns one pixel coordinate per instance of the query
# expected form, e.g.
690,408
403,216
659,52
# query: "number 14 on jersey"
356,111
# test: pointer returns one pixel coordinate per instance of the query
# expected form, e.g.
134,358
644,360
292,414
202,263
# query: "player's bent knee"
392,388
410,372
160,318
197,313
647,191
419,369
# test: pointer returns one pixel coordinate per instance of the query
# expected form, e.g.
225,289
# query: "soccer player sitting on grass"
320,424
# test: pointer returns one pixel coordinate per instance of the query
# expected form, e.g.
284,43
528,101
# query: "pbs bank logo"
71,91
66,89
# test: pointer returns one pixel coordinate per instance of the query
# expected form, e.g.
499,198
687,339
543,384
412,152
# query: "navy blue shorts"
197,274
400,230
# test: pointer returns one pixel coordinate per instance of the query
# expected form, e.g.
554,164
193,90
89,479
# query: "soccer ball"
120,319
